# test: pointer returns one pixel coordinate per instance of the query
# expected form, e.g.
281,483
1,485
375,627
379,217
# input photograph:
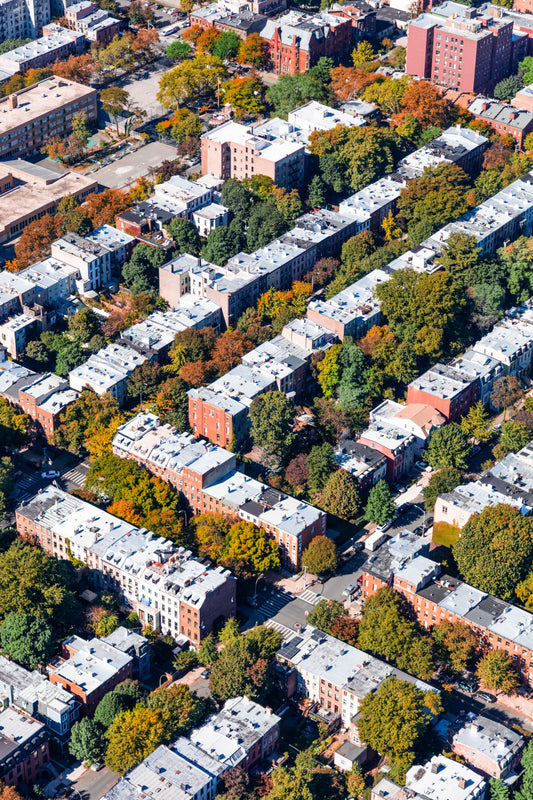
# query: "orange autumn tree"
207,40
425,103
34,243
254,50
76,68
348,82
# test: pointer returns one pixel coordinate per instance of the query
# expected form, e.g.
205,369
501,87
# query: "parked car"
421,464
359,580
350,589
358,546
51,473
486,697
204,674
383,527
466,686
96,766
403,508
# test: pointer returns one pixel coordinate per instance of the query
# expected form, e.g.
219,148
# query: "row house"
24,748
168,588
504,119
366,465
436,598
440,777
208,478
487,746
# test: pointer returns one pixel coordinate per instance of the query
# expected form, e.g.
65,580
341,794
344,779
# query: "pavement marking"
310,597
75,476
274,604
286,633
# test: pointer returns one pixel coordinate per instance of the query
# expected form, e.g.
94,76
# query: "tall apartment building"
233,151
460,47
23,19
32,116
435,598
298,39
168,588
207,477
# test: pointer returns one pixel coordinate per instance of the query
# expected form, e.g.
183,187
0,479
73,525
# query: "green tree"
508,87
526,787
448,447
457,643
87,740
352,389
227,45
340,496
6,482
422,310
115,102
496,671
106,625
13,425
444,480
330,370
182,710
460,255
178,50
316,192
83,325
185,124
506,392
394,720
271,417
243,666
514,435
380,505
320,464
291,91
208,652
325,614
111,705
237,197
132,736
477,422
34,584
222,243
495,549
265,224
81,129
69,357
140,273
185,236
499,790
369,153
249,549
321,556
435,198
191,80
26,639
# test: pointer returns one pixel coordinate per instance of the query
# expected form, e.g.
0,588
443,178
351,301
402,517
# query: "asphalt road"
93,785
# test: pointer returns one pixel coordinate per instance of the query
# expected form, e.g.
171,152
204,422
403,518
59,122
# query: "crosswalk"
25,487
274,604
310,597
74,475
286,633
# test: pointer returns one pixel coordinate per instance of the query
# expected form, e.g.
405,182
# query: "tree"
227,45
496,671
144,381
394,720
248,549
506,392
448,447
457,642
424,102
115,102
190,80
271,417
222,244
87,416
185,236
326,613
363,54
123,697
26,639
340,496
34,584
183,125
329,370
526,787
265,224
244,94
320,464
144,44
380,506
178,50
297,473
494,550
182,710
228,351
254,50
387,94
316,192
210,531
132,736
106,625
499,790
140,273
35,240
508,87
87,740
243,667
321,556
514,436
208,652
76,68
441,482
83,324
369,153
291,91
460,254
476,423
433,199
13,426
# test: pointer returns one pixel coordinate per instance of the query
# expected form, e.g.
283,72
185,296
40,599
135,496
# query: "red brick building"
446,389
471,52
297,40
24,748
503,118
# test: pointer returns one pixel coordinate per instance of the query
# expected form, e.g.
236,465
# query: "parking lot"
126,170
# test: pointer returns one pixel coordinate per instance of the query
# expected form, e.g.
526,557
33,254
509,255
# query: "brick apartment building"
233,151
460,47
168,588
32,116
435,598
444,388
24,748
298,39
209,481
44,399
503,118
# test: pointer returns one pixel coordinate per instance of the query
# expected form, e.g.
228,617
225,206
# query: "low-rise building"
209,217
505,119
58,45
395,442
32,116
468,500
233,151
446,389
442,778
108,370
297,39
416,418
96,24
28,191
234,17
44,399
510,343
136,646
366,465
24,748
488,746
168,588
91,259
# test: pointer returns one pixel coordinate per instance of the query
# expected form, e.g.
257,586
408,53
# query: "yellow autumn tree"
133,735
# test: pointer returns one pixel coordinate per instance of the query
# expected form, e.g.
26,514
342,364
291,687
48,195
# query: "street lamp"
255,589
182,511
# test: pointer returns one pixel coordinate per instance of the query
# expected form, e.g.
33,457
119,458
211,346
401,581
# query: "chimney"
462,783
13,101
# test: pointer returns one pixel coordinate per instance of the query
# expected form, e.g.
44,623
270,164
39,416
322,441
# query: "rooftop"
489,738
40,100
444,779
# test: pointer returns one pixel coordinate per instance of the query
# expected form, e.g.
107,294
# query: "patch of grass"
445,535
